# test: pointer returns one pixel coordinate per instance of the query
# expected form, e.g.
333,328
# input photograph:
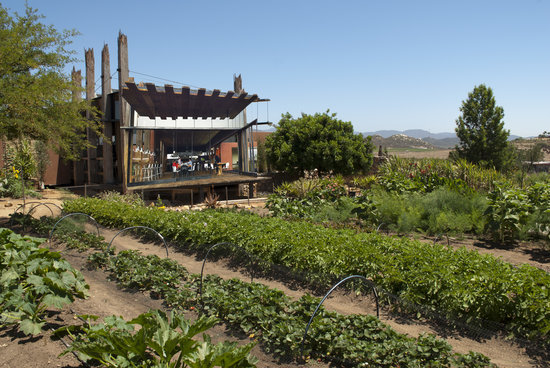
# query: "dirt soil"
107,299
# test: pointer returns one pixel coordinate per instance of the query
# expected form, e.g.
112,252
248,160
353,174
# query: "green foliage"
133,199
480,129
440,211
304,198
317,142
461,284
268,316
24,159
365,182
262,158
18,165
33,279
408,175
513,212
160,341
160,276
338,211
35,95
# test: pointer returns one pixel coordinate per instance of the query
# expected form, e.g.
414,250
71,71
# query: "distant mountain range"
439,140
415,133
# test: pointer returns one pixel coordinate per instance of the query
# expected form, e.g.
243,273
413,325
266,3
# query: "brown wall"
59,172
226,154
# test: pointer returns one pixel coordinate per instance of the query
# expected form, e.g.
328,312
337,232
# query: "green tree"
262,160
319,142
35,94
480,129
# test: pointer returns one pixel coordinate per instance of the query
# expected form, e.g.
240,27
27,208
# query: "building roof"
157,101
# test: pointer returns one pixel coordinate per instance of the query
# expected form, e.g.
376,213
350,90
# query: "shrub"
441,211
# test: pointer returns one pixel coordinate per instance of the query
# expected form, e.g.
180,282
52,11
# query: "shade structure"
169,102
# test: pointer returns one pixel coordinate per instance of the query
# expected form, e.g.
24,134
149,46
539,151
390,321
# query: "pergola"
169,102
168,121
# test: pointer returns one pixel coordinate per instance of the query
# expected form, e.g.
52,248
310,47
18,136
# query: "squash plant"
160,341
33,279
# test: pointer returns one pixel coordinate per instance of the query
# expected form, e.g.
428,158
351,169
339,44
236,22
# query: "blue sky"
379,64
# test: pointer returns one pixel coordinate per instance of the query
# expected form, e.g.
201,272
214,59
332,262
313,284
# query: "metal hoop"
330,292
206,256
138,227
23,206
32,208
71,214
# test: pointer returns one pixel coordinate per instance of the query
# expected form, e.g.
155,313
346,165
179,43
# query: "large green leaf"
31,328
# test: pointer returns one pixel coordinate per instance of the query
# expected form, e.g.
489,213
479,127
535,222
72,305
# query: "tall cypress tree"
480,129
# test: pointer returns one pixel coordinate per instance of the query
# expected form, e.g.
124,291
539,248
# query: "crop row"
461,284
268,316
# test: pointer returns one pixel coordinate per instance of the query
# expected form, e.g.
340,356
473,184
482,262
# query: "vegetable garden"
319,235
254,309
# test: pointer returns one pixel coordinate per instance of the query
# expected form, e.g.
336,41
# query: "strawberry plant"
162,277
268,316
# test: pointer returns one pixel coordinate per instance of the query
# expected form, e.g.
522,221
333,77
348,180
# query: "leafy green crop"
161,341
268,316
33,279
461,284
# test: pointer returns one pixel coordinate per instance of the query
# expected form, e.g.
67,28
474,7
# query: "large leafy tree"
35,94
319,142
480,129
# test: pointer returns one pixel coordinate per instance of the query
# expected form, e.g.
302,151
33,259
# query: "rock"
8,204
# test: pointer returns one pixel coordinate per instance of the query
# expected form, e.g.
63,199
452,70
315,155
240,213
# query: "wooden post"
123,75
78,167
90,94
242,137
191,197
226,197
108,177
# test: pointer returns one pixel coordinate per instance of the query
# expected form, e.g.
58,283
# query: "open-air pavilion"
156,128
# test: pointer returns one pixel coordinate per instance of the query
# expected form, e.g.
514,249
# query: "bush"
441,211
408,175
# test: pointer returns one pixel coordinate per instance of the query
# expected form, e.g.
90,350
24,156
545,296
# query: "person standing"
175,168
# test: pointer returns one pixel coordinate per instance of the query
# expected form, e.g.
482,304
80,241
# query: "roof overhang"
156,101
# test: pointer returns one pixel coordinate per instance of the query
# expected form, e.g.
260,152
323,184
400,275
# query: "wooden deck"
226,179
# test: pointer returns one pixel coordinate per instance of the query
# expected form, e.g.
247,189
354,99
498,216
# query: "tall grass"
440,211
427,174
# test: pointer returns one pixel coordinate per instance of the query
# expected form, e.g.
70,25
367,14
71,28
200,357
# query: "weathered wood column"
78,165
122,143
90,94
242,137
107,123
